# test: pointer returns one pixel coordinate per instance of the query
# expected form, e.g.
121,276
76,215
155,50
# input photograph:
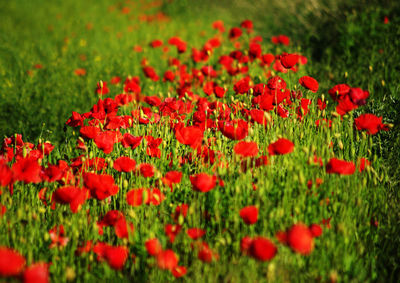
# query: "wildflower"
281,146
309,83
195,233
153,247
246,149
300,239
37,273
203,182
11,262
262,249
289,60
340,167
167,259
249,214
371,123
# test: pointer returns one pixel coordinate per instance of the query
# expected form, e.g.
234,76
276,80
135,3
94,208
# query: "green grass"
37,106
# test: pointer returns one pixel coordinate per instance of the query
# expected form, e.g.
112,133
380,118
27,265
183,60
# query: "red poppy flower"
260,89
358,96
11,262
132,85
89,132
124,164
247,24
262,249
156,43
5,175
178,43
116,256
155,196
208,88
276,83
153,100
116,219
321,104
235,33
309,83
289,60
150,73
203,182
345,105
258,116
370,122
167,260
281,146
136,198
205,254
37,273
245,244
249,214
46,148
115,80
195,233
340,167
75,120
302,109
168,76
146,170
153,247
246,149
172,177
100,186
179,271
73,196
102,88
172,230
219,91
191,136
315,230
131,141
208,71
339,91
235,129
105,141
242,86
266,102
268,58
219,25
300,239
26,170
281,39
255,50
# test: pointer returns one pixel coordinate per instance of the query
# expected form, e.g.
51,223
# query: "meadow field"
199,141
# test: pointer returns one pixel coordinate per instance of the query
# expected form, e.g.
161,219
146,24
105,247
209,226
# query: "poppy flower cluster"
143,159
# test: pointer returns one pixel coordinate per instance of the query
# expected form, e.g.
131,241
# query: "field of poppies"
187,150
